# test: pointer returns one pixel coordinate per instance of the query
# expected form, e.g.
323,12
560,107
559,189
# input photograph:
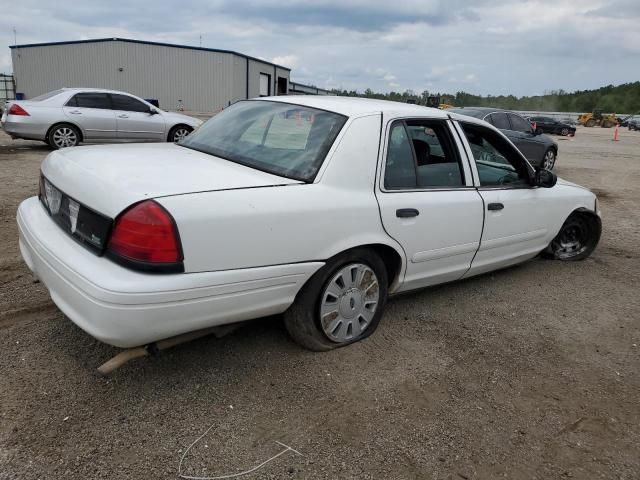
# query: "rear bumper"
24,127
126,308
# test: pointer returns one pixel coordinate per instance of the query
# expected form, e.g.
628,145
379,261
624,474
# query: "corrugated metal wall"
204,80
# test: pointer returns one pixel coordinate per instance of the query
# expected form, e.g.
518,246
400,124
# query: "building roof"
356,106
144,42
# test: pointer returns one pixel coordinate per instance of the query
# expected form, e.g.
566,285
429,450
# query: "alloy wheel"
65,137
549,159
565,132
179,134
349,302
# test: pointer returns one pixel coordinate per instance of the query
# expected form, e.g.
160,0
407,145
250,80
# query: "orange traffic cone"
615,134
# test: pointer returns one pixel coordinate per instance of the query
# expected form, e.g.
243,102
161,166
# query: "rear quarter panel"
253,227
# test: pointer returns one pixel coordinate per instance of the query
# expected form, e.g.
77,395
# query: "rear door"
134,122
427,200
516,225
91,111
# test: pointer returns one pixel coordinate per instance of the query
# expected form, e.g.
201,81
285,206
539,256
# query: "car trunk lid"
109,178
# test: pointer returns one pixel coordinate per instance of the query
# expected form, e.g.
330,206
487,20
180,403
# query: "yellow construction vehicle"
434,102
597,118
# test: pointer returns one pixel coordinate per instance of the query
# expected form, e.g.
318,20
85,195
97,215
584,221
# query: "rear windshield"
46,96
286,140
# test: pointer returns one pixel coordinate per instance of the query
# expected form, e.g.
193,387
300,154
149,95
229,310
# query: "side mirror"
545,178
152,111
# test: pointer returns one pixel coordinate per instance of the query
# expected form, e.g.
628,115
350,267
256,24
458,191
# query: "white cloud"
290,61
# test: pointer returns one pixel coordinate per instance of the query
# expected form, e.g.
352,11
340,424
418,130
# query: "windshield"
46,96
287,140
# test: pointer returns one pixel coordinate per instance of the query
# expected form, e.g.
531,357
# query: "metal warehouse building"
201,79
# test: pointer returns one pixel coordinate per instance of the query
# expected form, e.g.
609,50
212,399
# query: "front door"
134,120
516,214
428,202
526,140
91,111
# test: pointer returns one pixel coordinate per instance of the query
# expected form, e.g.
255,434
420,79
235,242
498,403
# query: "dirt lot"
530,372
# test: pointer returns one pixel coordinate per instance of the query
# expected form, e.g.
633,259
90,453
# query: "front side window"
287,140
421,154
127,103
497,162
90,100
519,124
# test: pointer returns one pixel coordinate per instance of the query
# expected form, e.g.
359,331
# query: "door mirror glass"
545,179
153,111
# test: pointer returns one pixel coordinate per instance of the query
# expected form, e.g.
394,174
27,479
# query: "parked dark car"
540,150
550,125
634,123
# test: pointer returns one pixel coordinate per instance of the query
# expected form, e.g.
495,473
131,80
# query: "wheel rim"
573,239
179,134
565,132
549,159
349,302
65,137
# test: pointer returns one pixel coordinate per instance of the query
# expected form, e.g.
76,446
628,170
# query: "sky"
481,46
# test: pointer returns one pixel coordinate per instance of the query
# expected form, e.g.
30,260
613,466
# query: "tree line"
623,98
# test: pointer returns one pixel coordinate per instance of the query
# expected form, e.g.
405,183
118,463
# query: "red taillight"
146,235
16,109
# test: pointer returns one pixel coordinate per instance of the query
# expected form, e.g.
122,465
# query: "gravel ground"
530,372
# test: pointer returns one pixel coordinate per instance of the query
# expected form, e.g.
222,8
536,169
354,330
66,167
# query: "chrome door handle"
123,116
495,206
75,112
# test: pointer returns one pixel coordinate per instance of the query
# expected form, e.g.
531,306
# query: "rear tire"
342,303
577,238
179,132
62,136
564,132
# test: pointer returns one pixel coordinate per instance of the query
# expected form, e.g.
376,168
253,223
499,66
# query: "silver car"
66,117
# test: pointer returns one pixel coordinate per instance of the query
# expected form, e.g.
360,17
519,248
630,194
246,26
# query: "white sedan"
315,207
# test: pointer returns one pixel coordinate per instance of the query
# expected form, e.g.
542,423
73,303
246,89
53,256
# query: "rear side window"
500,120
400,171
421,154
519,124
90,100
127,103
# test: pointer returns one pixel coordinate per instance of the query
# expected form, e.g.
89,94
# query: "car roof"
356,106
99,90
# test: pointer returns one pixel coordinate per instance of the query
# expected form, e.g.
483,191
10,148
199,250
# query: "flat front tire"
341,304
577,238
